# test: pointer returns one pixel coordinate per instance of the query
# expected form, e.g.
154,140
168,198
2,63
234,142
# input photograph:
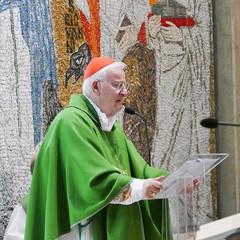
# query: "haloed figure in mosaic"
89,181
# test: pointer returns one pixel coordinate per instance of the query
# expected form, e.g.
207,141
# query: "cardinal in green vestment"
87,171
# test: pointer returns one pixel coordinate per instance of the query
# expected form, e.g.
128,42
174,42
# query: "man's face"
110,93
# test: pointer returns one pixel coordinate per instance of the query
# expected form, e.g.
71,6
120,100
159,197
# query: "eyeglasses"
119,86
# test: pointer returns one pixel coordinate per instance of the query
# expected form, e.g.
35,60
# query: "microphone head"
129,110
209,123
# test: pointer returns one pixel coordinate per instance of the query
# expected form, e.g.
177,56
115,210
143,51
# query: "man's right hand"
152,186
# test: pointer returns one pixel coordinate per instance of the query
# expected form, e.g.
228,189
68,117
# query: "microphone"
132,112
213,123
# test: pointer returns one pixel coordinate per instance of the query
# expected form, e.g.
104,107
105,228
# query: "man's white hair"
100,75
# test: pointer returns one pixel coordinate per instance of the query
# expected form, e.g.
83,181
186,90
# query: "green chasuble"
78,173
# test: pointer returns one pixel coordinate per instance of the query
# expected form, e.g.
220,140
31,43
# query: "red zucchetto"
97,64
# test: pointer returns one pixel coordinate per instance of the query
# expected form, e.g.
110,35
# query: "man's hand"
191,187
152,186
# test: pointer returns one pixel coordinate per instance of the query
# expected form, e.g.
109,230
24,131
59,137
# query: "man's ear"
95,87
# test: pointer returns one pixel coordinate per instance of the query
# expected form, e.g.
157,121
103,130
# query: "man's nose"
124,90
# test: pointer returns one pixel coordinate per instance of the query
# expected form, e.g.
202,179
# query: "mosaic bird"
78,63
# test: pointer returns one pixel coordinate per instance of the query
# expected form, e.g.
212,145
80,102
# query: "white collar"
106,123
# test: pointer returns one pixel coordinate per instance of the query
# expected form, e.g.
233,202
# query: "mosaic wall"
44,49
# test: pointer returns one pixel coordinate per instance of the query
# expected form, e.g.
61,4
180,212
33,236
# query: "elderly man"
89,180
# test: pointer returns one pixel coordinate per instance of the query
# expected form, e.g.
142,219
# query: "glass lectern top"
194,167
